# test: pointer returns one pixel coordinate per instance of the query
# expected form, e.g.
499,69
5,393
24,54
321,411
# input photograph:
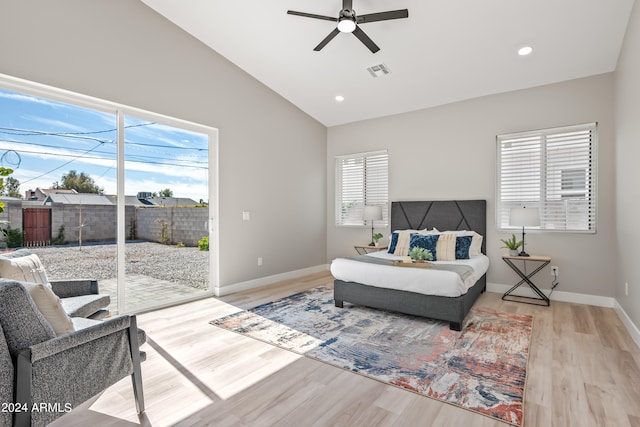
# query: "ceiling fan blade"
347,4
327,39
365,39
311,15
383,16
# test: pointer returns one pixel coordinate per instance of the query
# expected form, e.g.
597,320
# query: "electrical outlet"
626,289
555,271
259,261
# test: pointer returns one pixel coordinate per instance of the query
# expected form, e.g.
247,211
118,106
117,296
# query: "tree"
3,172
166,193
12,188
82,183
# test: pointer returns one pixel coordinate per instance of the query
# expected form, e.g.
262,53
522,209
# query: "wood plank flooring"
584,370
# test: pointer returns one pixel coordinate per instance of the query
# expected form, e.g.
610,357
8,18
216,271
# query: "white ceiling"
445,51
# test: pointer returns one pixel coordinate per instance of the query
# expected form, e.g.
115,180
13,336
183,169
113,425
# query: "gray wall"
271,154
627,108
449,152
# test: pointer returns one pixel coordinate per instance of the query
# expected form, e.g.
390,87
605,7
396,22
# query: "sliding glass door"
104,191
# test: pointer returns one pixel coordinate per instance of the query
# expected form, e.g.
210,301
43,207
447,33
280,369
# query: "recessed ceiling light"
339,98
525,50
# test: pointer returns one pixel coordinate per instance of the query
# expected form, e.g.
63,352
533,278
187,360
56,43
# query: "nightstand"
365,249
541,298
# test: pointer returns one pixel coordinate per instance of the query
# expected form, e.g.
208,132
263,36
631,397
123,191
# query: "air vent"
379,70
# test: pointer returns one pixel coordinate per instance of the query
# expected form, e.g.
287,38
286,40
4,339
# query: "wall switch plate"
555,271
259,261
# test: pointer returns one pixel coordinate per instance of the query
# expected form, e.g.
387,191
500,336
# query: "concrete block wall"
183,224
186,225
99,222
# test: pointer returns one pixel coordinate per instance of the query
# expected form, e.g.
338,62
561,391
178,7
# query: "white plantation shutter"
553,170
361,179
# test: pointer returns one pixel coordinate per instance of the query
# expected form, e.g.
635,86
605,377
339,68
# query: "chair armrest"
72,368
78,338
74,287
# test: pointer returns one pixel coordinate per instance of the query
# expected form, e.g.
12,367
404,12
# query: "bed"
417,215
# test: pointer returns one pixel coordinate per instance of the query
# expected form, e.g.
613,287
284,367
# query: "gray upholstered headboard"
441,214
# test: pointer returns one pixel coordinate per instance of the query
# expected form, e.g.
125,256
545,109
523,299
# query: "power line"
64,164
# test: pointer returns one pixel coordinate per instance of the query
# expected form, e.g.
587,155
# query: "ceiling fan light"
525,50
346,24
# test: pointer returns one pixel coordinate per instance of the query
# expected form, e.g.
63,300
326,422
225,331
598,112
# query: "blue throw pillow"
428,242
393,242
463,243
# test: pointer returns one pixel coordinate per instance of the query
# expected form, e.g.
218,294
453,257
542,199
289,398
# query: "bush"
203,244
13,237
60,239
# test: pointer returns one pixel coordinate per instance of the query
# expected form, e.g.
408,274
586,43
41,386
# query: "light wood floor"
584,370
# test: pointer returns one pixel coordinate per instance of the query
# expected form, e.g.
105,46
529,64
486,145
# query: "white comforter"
420,280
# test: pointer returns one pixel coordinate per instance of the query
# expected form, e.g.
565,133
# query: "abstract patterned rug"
482,368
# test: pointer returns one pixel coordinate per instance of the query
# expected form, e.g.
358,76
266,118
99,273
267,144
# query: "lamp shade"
524,217
372,213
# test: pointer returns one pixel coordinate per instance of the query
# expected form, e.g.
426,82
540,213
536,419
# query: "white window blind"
553,170
361,179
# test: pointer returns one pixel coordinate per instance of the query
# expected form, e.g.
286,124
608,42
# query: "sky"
42,140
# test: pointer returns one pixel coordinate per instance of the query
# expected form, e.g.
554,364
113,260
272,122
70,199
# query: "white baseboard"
628,323
524,290
264,281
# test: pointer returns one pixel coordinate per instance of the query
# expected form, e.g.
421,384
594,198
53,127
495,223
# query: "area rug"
482,368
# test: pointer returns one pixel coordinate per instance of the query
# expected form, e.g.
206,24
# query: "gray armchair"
80,297
54,374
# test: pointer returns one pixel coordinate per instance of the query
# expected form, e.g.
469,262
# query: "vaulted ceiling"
445,51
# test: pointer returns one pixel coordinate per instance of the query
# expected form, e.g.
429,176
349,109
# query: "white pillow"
27,268
50,306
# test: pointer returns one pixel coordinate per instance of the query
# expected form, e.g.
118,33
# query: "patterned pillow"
429,242
463,244
402,237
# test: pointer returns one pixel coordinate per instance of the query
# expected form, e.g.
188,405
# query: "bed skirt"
449,309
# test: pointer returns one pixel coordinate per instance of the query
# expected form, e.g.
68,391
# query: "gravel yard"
187,266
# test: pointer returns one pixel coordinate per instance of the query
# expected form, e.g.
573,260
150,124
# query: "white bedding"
420,280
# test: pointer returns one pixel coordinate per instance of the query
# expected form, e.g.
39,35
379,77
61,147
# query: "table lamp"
372,213
524,217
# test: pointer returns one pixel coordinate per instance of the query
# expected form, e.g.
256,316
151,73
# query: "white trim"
628,323
269,280
587,299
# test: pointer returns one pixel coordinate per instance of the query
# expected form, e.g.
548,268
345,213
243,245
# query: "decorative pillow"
27,268
476,243
446,247
403,244
404,240
429,242
50,306
463,244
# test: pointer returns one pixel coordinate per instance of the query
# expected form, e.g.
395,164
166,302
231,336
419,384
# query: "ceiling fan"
348,22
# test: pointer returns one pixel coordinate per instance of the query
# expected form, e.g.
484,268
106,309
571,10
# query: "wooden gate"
36,223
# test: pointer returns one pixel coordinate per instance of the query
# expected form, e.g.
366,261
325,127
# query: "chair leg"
136,376
22,418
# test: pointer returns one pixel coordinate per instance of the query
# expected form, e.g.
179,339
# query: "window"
552,169
361,179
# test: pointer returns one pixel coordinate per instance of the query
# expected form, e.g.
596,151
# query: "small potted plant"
376,238
419,254
512,244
